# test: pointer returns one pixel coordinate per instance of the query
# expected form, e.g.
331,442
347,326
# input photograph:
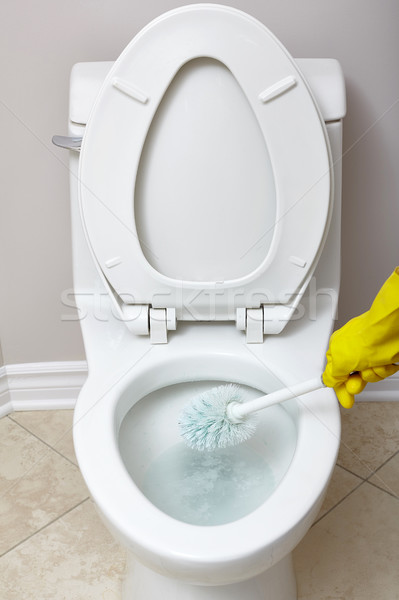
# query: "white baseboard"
40,386
386,390
52,385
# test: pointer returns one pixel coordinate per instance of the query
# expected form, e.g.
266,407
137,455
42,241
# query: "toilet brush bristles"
205,425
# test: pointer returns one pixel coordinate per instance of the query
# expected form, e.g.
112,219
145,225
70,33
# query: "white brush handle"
238,410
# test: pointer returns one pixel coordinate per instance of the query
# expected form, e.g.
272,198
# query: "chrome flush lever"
70,143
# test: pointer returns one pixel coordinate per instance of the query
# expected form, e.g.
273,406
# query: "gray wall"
39,43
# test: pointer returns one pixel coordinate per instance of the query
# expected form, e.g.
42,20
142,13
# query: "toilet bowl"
126,421
205,210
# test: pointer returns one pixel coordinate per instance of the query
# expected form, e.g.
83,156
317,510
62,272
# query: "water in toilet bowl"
203,488
209,488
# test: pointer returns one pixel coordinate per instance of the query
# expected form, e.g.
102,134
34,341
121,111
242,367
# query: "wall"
39,43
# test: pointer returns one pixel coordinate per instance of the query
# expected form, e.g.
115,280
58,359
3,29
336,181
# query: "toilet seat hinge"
268,319
161,320
142,319
251,321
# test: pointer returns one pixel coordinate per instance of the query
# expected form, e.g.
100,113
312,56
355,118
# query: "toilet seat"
288,118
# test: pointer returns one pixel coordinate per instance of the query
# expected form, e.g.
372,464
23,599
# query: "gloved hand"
365,349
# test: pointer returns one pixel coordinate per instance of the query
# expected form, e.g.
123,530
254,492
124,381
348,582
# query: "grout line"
340,502
356,474
383,464
44,527
91,407
374,473
383,490
362,462
363,480
43,441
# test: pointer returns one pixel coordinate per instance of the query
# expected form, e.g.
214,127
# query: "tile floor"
54,547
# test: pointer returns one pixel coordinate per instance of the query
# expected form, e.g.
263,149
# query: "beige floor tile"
387,477
37,485
370,435
341,484
52,426
74,558
353,552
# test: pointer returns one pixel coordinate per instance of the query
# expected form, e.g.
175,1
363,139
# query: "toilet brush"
218,417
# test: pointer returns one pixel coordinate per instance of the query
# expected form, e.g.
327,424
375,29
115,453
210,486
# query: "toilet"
206,249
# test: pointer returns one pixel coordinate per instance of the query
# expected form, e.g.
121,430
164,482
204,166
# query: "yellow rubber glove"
365,349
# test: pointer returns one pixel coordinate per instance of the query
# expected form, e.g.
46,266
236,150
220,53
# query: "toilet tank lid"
324,76
326,81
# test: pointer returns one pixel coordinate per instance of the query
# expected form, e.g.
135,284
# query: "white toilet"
206,231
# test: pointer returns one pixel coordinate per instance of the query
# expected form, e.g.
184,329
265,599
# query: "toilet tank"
324,76
326,82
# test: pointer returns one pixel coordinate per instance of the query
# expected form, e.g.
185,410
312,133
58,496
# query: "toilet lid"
205,172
